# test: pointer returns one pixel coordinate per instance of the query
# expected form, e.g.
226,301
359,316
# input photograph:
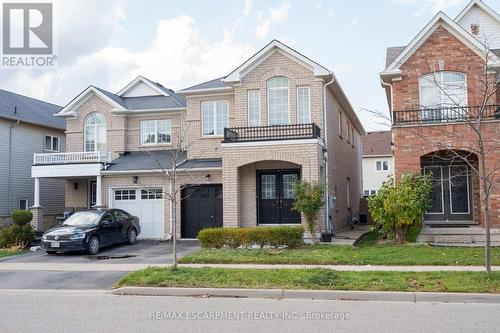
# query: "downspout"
388,85
171,213
329,226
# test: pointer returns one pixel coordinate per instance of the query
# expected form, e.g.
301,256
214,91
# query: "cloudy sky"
181,43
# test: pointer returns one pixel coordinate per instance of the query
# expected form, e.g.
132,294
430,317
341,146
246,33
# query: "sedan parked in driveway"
89,230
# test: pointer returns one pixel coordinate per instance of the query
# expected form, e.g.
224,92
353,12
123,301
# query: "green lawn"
7,252
366,252
314,279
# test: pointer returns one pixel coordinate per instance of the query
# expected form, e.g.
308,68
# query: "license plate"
55,244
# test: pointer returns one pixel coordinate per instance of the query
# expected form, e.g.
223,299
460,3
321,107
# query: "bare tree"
465,126
171,170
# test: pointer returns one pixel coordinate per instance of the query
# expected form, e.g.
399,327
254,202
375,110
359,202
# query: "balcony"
72,158
270,133
440,115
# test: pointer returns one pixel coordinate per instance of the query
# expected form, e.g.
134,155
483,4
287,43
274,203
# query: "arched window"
278,105
95,132
444,93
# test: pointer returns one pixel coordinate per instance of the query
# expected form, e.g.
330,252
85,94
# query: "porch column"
98,192
37,193
231,196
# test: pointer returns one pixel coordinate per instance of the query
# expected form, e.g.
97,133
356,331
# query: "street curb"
339,295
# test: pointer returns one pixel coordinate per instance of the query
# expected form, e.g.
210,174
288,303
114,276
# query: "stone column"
37,221
230,196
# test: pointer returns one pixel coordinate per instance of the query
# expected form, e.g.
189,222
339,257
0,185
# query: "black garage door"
201,207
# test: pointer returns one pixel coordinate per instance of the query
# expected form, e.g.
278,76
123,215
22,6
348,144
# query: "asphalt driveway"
143,252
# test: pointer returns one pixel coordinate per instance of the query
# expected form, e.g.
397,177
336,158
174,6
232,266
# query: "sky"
182,43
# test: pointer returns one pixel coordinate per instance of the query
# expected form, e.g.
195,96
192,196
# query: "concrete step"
458,235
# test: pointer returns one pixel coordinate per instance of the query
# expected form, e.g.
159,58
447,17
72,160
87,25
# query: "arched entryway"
454,186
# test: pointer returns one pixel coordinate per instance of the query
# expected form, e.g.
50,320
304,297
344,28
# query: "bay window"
214,117
155,131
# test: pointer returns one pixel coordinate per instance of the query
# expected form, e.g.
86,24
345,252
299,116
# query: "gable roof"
481,5
440,19
26,109
165,101
153,85
269,49
392,53
377,143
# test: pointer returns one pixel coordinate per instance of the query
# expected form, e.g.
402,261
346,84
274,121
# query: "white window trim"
52,143
248,106
341,125
156,143
268,104
308,103
449,189
27,203
466,101
214,115
96,126
382,166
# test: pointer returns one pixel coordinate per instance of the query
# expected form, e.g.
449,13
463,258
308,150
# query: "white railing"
74,157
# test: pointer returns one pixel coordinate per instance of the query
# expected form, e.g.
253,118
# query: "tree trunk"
174,235
486,217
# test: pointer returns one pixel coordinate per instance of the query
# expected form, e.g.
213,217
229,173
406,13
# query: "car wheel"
51,252
131,236
94,245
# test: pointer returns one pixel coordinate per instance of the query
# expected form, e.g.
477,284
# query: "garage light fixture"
207,177
135,179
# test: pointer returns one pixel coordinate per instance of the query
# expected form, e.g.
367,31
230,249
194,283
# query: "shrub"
398,209
211,238
309,198
266,236
16,235
21,217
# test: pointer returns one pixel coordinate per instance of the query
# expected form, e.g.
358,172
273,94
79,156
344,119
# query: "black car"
89,230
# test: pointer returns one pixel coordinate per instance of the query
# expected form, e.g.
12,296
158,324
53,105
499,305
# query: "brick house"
277,118
434,87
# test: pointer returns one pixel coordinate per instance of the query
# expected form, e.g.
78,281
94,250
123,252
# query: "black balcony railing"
445,114
268,133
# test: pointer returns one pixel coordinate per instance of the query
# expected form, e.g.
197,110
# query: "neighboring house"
432,84
378,163
251,135
28,126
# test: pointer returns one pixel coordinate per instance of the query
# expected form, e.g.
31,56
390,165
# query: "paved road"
61,311
42,271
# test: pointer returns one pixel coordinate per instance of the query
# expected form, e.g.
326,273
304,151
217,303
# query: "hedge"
21,217
234,238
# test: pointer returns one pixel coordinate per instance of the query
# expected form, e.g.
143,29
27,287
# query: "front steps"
472,236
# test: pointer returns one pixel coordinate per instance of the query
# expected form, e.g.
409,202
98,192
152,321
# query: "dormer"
482,22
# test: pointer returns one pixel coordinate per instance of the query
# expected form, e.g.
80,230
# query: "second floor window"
214,117
155,131
278,101
303,105
443,90
51,143
95,132
253,108
382,165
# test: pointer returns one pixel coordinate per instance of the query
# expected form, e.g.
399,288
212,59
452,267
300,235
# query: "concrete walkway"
90,267
349,236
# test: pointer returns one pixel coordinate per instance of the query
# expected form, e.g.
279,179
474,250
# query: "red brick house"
436,87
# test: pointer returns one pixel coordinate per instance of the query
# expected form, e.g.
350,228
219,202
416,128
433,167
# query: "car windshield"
88,218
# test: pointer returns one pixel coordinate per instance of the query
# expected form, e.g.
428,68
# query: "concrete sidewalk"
339,295
102,267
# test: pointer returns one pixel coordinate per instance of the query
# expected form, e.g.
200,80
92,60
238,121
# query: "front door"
451,196
92,193
276,195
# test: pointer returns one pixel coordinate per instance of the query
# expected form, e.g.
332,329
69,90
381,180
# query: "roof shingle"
377,143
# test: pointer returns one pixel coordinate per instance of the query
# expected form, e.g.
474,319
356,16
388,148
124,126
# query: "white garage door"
146,204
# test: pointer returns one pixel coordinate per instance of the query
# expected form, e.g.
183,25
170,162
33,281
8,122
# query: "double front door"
451,195
275,197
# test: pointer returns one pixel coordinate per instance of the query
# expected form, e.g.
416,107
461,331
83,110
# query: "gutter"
329,225
121,172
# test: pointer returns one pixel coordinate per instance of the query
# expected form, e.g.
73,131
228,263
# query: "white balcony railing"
74,157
